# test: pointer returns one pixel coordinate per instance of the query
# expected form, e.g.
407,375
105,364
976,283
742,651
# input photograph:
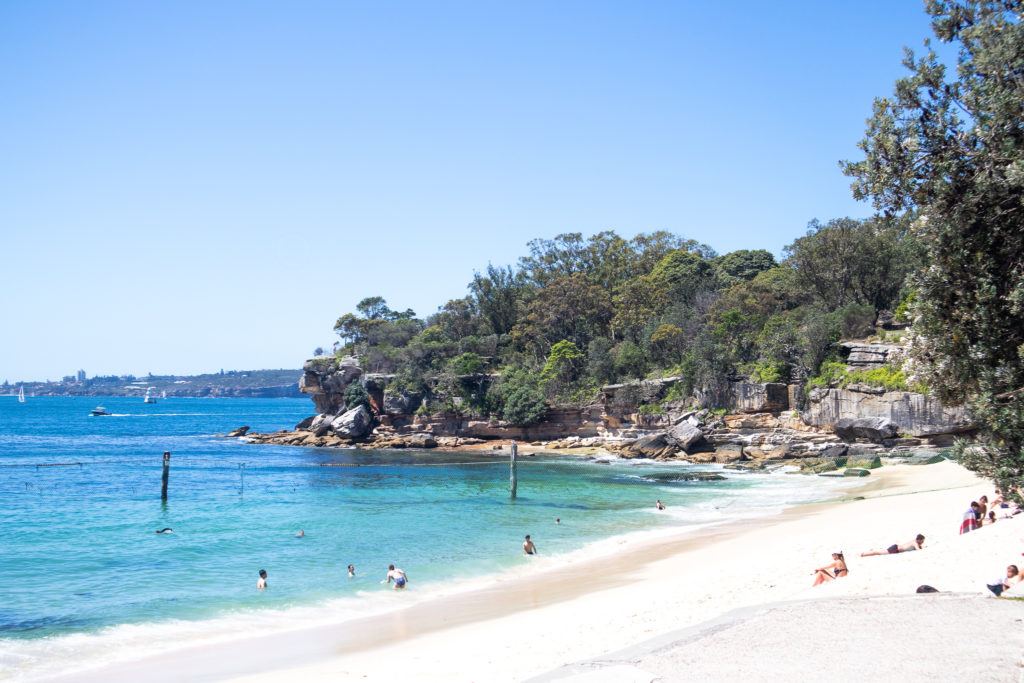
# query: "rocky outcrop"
326,378
861,356
914,414
685,435
352,424
747,397
876,429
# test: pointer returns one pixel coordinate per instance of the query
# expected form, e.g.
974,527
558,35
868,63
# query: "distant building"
81,375
67,379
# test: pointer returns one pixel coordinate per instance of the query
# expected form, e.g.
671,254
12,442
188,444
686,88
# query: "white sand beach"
525,627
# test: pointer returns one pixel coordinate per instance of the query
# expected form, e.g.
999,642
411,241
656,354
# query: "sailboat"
163,394
21,394
149,396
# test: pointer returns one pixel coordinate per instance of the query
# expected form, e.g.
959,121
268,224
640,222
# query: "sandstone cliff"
765,421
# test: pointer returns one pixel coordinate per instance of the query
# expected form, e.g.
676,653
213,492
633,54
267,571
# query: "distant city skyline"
193,186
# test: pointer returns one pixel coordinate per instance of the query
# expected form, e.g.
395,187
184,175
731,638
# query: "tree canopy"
946,152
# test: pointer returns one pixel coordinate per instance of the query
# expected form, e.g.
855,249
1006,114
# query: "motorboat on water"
149,398
99,410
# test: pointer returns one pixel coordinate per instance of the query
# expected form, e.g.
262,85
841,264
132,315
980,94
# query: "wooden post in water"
167,471
512,472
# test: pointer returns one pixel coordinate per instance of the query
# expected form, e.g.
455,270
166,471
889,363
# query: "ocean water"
85,580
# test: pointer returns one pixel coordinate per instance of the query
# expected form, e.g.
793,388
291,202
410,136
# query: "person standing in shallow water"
262,582
398,575
528,547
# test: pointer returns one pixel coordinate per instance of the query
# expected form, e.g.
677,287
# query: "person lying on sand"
833,571
1012,577
916,544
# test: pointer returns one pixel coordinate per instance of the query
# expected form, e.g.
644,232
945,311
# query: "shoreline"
558,613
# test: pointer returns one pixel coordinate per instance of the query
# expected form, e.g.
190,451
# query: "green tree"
848,261
498,296
949,152
743,264
563,363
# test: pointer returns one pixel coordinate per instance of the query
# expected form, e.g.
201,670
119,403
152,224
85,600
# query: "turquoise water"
86,580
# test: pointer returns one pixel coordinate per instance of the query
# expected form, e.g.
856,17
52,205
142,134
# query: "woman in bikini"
832,571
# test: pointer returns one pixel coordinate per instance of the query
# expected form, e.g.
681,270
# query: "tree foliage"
947,151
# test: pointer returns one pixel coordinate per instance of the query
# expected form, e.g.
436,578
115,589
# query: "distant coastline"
225,384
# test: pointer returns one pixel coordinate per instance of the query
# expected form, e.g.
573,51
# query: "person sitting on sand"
658,504
916,544
528,547
970,522
351,571
398,575
262,583
991,517
1012,577
982,509
833,571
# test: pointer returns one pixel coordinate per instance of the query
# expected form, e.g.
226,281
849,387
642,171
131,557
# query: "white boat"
99,410
149,396
163,394
21,394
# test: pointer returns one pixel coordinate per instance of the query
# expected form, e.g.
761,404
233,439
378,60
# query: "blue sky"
192,186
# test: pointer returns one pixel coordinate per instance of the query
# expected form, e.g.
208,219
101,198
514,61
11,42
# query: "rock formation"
761,425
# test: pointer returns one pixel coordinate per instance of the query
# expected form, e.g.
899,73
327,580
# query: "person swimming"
165,530
351,571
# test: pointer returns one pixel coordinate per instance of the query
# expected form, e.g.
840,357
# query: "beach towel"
970,522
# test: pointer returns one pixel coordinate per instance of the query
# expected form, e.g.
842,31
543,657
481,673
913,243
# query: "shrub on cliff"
524,406
355,396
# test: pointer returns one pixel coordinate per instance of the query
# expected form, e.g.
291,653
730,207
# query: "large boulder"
684,435
420,440
875,429
305,424
320,424
649,447
353,423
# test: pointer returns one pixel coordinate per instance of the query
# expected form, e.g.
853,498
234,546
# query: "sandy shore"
530,626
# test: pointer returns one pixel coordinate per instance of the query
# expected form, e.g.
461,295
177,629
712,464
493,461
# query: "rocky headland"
827,428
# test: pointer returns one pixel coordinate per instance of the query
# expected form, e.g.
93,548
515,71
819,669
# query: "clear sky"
190,186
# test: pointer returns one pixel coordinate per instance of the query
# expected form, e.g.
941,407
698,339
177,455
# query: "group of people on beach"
979,514
838,569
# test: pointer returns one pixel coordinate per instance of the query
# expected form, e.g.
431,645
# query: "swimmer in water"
351,571
658,504
300,534
262,583
165,530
